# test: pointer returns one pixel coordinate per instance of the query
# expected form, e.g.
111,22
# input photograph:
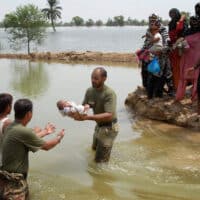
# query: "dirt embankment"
166,109
68,57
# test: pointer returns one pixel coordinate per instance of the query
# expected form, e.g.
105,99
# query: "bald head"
98,77
101,71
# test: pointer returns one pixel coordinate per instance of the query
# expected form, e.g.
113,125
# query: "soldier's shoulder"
90,89
109,90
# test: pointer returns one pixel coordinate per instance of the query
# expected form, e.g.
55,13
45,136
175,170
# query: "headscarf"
194,24
154,18
197,9
175,16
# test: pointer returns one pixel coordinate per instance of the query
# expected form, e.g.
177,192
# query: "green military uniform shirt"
101,101
17,143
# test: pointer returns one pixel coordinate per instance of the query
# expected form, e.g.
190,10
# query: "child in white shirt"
155,38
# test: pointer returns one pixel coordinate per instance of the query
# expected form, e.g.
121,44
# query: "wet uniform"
103,101
17,143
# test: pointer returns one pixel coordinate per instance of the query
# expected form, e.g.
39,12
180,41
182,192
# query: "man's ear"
28,115
8,108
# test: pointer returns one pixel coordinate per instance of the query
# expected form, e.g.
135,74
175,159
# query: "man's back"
17,142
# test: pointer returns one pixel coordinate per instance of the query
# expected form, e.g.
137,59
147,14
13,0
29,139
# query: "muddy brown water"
150,160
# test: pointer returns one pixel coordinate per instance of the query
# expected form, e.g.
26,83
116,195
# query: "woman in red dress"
177,27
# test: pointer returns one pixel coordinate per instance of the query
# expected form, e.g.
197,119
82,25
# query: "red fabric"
143,55
189,59
173,34
175,64
174,56
180,26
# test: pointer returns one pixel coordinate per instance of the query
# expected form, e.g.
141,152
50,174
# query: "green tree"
187,16
109,22
77,21
89,22
99,23
143,22
119,20
53,12
129,21
132,22
25,25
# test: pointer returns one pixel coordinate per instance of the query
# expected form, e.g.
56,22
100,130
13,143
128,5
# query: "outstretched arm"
49,128
103,117
53,142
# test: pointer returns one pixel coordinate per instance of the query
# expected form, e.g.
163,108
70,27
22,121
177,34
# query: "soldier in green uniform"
17,143
102,100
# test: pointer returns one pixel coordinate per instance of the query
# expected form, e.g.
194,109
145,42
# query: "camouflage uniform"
13,186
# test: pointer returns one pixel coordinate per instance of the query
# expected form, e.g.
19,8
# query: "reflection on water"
150,160
30,79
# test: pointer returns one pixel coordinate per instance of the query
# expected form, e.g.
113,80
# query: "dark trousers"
144,74
155,86
167,73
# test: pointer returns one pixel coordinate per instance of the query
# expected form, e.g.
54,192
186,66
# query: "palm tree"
53,12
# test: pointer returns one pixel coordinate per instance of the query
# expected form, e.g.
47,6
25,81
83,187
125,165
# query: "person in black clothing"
154,18
194,26
194,21
165,76
197,9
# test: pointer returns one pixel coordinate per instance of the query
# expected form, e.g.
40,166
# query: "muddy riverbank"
84,57
164,109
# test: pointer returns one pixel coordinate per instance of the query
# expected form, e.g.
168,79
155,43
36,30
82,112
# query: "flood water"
150,160
106,39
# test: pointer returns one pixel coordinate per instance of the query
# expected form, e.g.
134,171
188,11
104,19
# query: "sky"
103,9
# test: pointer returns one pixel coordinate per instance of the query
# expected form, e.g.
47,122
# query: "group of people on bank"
16,140
169,58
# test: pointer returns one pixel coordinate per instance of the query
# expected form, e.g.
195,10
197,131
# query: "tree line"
27,24
53,12
115,21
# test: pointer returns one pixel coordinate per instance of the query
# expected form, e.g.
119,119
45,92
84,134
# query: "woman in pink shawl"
189,59
190,70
